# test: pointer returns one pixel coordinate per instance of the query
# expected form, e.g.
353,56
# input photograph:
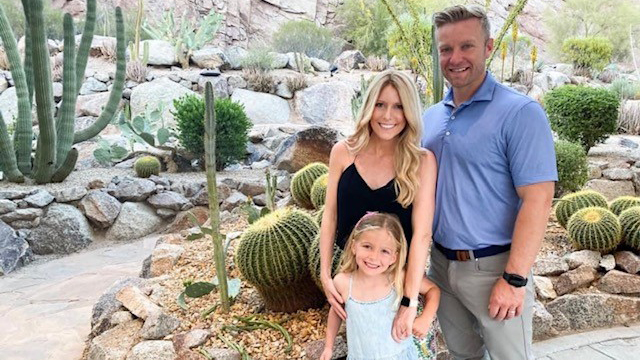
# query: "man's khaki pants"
464,309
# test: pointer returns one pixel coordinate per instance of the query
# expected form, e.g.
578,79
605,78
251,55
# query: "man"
496,173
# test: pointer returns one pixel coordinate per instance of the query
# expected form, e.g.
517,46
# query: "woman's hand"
403,323
333,297
326,354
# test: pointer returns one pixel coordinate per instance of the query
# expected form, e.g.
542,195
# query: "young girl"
371,280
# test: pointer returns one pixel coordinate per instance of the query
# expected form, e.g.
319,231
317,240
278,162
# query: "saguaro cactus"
54,156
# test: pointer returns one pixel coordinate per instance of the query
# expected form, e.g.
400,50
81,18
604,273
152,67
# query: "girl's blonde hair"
374,221
407,155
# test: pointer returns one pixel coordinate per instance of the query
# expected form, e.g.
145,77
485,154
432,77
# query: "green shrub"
258,58
308,38
573,171
588,53
582,114
625,89
232,125
365,25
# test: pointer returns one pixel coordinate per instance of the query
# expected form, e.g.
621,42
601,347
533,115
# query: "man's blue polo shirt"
491,144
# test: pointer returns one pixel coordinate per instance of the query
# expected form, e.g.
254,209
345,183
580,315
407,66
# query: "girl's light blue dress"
369,326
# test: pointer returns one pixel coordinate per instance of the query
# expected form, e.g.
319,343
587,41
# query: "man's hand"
333,297
403,323
506,301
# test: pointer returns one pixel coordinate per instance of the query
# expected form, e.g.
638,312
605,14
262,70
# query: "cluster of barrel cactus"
314,260
319,191
147,166
594,224
302,182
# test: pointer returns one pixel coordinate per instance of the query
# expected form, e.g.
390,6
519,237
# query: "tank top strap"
350,285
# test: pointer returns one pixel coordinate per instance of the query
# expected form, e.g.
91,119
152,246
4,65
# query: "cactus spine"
319,191
272,255
571,203
302,181
623,203
630,221
314,260
594,228
54,158
147,166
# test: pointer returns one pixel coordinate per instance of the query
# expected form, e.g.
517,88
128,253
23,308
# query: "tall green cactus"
272,255
54,156
214,211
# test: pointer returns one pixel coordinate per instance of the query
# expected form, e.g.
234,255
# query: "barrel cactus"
302,182
319,191
318,216
630,221
594,228
622,203
272,255
314,260
147,166
571,203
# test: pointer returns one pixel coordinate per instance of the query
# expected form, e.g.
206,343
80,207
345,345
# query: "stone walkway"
45,309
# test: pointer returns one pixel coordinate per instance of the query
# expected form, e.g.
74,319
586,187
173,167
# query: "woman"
381,167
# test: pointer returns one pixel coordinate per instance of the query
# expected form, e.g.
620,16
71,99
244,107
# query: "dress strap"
350,285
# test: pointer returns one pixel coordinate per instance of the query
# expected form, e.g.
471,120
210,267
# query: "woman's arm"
339,154
422,221
432,301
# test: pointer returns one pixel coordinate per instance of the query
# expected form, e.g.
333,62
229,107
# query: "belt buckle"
462,255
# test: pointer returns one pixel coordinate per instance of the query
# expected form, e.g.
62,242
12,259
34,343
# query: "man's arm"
527,238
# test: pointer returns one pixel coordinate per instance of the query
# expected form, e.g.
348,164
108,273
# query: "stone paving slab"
45,309
619,343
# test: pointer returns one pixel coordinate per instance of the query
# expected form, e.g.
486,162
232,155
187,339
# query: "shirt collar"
484,92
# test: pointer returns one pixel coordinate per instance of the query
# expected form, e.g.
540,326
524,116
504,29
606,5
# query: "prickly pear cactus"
594,228
147,166
622,203
314,260
630,221
272,255
302,181
319,191
571,203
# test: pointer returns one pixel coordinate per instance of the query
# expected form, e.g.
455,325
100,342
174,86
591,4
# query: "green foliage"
254,213
356,101
52,19
623,203
106,26
587,18
259,58
630,221
307,38
592,53
107,154
594,228
497,44
410,39
147,166
186,35
147,128
625,88
573,171
272,256
582,114
319,191
314,260
303,180
571,203
365,25
231,131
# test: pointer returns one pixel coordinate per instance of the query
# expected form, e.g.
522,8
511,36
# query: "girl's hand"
421,326
333,297
326,354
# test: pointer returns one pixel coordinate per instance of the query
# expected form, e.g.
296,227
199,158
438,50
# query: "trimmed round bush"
232,126
622,203
314,260
594,228
630,221
588,53
319,191
571,203
302,181
272,255
573,170
582,114
147,166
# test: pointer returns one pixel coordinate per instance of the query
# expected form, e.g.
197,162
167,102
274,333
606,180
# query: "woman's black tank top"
355,198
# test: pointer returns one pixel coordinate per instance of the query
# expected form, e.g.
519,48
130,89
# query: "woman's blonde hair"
375,221
407,155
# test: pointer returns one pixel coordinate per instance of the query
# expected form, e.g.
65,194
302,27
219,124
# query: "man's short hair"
457,13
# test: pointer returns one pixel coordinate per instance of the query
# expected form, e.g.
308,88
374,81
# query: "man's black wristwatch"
514,280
